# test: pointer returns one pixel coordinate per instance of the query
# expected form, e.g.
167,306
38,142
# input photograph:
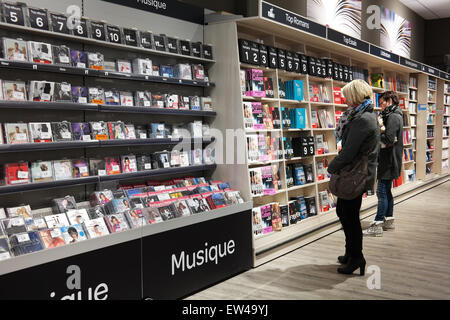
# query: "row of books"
413,82
48,91
55,170
45,132
23,231
258,116
393,84
322,118
265,180
407,138
40,52
263,148
298,174
408,154
319,93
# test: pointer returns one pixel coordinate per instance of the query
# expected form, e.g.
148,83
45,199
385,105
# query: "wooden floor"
414,262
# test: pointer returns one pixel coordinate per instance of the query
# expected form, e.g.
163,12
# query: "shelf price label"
98,31
13,14
130,36
59,23
38,18
114,35
81,28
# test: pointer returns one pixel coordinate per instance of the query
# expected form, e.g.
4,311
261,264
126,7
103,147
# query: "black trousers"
348,213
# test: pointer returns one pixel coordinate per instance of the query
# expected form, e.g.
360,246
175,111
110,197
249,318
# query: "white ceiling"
429,9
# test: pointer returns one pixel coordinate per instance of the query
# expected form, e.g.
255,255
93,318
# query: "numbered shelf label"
13,14
114,34
130,36
159,43
98,31
80,28
273,58
146,40
59,23
281,59
38,18
172,45
263,56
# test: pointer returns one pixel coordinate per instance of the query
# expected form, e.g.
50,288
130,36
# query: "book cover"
255,83
276,178
258,117
262,148
314,93
267,117
277,224
323,200
311,206
284,211
275,111
308,168
257,222
267,180
256,181
299,175
303,208
266,216
294,212
268,87
252,146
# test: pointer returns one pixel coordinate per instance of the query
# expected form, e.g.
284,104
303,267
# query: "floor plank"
414,260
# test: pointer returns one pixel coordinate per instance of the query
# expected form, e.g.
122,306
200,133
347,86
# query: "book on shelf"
255,83
252,147
323,201
267,117
266,216
268,87
406,137
256,183
314,93
276,178
298,118
267,180
377,80
257,222
407,154
276,119
248,115
257,113
294,212
299,174
284,211
314,119
277,224
326,119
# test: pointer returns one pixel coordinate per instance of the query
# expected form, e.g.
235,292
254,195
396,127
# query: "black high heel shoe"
352,265
343,259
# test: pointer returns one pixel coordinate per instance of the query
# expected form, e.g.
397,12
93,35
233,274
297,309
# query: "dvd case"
166,71
97,167
79,94
143,99
195,103
140,131
80,168
81,131
183,103
14,90
61,131
143,66
198,72
40,132
99,130
130,132
15,49
197,158
73,233
78,58
16,133
171,101
62,169
157,101
40,52
143,162
96,228
182,71
41,171
157,130
61,55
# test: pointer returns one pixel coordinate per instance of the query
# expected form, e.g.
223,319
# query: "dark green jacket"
361,135
390,158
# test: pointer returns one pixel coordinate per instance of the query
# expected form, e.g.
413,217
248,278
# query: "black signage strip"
445,76
384,54
348,41
149,110
410,63
170,8
290,19
430,70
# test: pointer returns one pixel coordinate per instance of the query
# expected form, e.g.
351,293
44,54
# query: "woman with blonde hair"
358,130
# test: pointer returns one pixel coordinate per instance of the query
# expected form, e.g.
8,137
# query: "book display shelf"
270,69
175,95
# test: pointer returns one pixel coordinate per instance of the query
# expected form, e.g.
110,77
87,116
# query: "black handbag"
350,182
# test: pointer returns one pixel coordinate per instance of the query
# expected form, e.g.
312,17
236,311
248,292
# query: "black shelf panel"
157,172
33,186
105,44
5,148
150,141
48,105
164,111
39,67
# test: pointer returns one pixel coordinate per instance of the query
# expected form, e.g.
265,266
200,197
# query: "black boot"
343,259
352,265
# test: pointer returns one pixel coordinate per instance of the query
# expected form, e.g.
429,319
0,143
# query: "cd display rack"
239,40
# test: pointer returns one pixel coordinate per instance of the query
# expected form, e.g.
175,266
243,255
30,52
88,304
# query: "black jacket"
390,158
361,135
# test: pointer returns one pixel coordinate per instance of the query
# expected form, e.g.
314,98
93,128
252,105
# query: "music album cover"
112,97
15,49
62,169
184,159
143,66
14,225
96,212
40,132
155,71
209,156
52,238
96,95
160,160
136,218
197,158
126,99
81,131
24,243
17,173
175,158
40,52
171,101
116,222
195,103
128,164
183,103
206,103
42,91
77,216
124,66
110,66
35,223
143,99
79,94
80,168
166,71
157,101
116,130
157,130
143,162
152,215
61,55
16,133
99,130
198,72
168,212
74,233
41,171
130,132
78,58
4,249
61,205
56,220
96,60
62,92
112,165
101,197
14,91
197,205
97,167
140,131
182,71
20,211
96,228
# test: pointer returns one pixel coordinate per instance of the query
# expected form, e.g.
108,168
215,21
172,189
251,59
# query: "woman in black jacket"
389,162
358,129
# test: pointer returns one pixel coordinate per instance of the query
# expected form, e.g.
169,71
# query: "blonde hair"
356,91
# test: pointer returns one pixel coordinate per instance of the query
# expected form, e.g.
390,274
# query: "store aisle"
414,262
